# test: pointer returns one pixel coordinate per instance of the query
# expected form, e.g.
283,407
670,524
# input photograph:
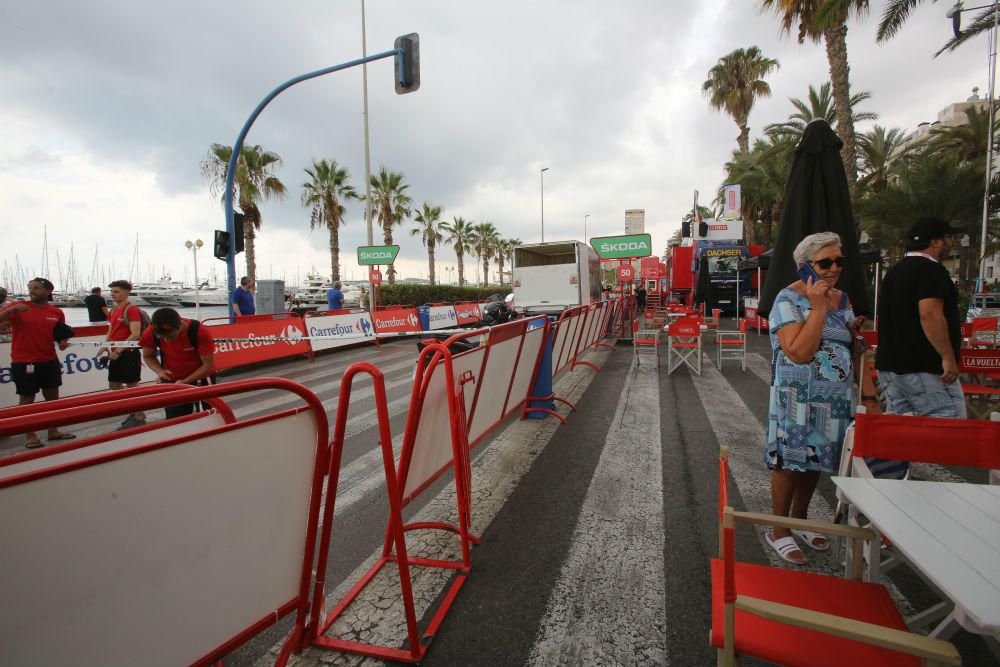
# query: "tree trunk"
486,271
461,269
387,237
836,55
500,267
334,251
249,234
744,139
430,260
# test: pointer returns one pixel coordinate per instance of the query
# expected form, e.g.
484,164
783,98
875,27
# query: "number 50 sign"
626,273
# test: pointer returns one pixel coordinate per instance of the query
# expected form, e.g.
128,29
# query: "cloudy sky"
109,107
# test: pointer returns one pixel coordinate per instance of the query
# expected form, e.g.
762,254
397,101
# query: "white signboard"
723,230
732,204
82,371
442,317
346,327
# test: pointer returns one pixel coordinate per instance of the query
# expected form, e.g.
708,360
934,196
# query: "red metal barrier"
74,410
396,319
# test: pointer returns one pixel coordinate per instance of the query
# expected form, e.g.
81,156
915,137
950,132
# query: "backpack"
144,318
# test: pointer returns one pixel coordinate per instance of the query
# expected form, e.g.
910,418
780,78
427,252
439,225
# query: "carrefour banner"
229,354
468,312
82,371
396,320
345,328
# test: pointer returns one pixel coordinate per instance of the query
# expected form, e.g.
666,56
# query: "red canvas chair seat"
787,645
684,345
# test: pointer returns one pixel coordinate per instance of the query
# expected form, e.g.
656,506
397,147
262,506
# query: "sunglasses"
827,263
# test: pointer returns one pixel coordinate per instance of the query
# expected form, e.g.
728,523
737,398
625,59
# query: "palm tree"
735,83
965,141
428,228
484,239
392,204
459,236
898,11
253,182
818,104
762,173
828,19
878,149
325,192
505,252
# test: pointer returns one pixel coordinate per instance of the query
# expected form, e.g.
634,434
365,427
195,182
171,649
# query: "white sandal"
808,537
784,546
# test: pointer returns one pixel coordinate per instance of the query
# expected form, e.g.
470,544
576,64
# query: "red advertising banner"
649,268
979,361
229,354
467,312
396,320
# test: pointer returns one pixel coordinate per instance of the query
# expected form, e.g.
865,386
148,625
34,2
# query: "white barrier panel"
155,557
527,362
126,440
347,324
441,317
487,407
82,372
432,446
564,345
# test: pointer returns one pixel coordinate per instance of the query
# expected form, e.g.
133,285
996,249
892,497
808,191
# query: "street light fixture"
541,176
585,227
194,247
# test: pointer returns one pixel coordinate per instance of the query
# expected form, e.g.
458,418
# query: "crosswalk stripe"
496,472
624,504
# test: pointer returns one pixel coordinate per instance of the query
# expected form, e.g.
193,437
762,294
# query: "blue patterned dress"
810,405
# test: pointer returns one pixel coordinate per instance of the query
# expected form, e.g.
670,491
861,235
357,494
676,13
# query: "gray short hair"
812,244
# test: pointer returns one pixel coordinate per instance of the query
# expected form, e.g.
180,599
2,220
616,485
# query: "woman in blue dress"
812,327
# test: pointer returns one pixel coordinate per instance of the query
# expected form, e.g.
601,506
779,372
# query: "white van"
551,277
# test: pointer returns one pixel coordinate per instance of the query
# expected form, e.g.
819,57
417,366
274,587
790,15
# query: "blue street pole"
238,146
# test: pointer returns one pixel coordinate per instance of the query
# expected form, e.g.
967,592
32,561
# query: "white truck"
551,277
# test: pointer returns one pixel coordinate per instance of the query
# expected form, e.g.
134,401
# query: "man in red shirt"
124,363
187,353
34,363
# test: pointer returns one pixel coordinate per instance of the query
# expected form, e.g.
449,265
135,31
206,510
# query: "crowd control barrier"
82,370
435,316
456,401
175,546
241,352
346,324
468,312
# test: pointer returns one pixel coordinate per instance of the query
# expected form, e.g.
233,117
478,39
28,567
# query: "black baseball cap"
926,230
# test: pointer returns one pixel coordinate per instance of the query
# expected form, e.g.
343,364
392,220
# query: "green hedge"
418,295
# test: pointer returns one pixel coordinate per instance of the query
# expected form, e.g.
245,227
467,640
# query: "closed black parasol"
816,200
703,289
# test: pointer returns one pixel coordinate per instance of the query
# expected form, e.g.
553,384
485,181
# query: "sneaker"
131,422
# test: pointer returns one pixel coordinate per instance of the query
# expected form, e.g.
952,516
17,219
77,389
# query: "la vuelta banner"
346,328
229,354
980,361
396,320
468,312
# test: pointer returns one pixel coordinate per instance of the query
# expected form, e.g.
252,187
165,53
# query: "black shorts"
126,368
42,375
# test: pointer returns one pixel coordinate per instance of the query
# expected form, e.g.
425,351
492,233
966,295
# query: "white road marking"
614,569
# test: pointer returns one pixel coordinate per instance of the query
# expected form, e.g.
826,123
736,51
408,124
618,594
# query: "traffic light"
702,229
221,244
239,231
407,64
685,228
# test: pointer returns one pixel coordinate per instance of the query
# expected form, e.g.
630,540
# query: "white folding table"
951,533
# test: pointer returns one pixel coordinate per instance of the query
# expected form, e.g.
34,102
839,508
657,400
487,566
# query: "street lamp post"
585,227
541,176
193,247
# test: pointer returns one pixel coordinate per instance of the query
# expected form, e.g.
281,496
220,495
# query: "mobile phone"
805,272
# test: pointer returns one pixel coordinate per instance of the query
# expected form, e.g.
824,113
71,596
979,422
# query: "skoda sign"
623,247
370,255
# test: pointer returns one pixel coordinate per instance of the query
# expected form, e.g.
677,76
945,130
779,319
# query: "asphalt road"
596,536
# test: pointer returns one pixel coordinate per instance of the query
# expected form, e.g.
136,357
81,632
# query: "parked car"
984,304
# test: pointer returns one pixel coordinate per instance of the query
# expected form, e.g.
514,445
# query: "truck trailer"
552,277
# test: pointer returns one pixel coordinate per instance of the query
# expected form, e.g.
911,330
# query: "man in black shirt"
919,327
97,307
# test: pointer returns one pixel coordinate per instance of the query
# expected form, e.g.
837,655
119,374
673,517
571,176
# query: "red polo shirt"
33,340
179,356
